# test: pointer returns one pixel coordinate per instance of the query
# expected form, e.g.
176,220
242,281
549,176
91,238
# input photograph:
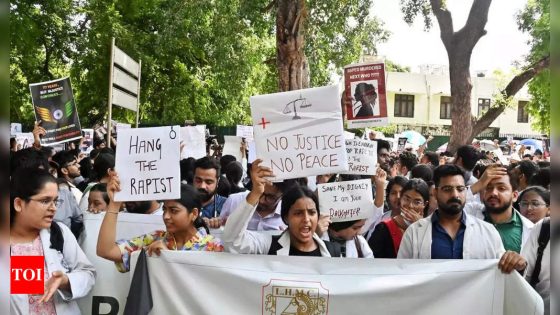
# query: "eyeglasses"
270,198
534,204
449,189
407,201
47,202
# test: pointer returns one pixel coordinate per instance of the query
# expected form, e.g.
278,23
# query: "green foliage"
535,20
395,67
201,60
412,8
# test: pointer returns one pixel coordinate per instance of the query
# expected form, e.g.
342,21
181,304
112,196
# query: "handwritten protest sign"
346,201
194,141
54,106
362,157
252,154
299,133
15,128
147,161
24,140
245,132
366,103
232,146
349,135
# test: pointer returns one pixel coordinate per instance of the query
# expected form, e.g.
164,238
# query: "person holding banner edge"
185,229
299,211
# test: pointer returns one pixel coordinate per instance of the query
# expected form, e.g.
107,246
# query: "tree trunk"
461,88
291,60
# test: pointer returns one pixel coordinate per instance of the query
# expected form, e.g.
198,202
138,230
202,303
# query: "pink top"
35,248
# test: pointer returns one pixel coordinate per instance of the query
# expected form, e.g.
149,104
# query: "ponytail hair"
191,198
24,184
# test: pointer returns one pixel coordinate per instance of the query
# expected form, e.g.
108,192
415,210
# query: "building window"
404,105
445,107
522,114
483,106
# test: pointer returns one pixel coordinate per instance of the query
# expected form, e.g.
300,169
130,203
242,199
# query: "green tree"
459,45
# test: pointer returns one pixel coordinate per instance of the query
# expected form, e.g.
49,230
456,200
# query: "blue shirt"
213,208
443,246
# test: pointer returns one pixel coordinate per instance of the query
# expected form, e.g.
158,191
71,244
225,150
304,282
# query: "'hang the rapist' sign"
148,163
299,133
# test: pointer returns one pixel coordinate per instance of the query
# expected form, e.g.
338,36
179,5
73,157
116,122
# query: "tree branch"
269,6
444,19
508,92
476,22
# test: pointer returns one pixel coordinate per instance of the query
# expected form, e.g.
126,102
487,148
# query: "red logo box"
27,274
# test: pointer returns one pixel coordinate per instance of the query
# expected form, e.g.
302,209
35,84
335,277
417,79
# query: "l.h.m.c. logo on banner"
290,297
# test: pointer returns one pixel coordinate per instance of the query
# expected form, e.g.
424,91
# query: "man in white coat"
451,233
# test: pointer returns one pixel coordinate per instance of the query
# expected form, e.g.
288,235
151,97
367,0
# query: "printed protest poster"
15,128
193,141
299,133
232,146
147,161
24,140
245,132
366,100
346,201
362,157
54,106
87,144
401,144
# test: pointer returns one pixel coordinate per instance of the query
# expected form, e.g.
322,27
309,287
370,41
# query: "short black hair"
544,193
469,156
102,188
103,163
446,171
382,144
225,160
207,163
28,158
424,172
408,159
63,158
433,158
528,168
541,178
397,180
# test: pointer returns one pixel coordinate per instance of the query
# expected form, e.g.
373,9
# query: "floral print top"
202,241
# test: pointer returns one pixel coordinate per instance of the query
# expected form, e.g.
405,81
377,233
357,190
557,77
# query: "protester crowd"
427,205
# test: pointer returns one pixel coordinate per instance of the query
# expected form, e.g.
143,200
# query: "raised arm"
106,246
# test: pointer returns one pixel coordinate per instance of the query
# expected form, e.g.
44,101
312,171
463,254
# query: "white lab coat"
530,253
481,240
351,251
477,210
238,240
73,263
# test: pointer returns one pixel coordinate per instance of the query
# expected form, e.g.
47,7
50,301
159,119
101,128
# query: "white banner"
245,132
147,161
193,139
108,296
299,133
232,146
362,157
222,283
346,201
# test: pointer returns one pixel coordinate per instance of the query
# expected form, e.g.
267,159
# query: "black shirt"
381,242
296,252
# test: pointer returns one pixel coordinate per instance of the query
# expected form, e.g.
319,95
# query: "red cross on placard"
263,123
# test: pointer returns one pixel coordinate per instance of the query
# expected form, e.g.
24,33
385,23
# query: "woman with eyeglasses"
299,211
68,274
534,203
414,205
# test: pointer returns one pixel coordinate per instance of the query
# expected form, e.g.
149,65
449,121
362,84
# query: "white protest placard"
232,146
15,128
245,132
24,140
346,201
299,133
362,157
252,154
193,139
147,161
349,135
